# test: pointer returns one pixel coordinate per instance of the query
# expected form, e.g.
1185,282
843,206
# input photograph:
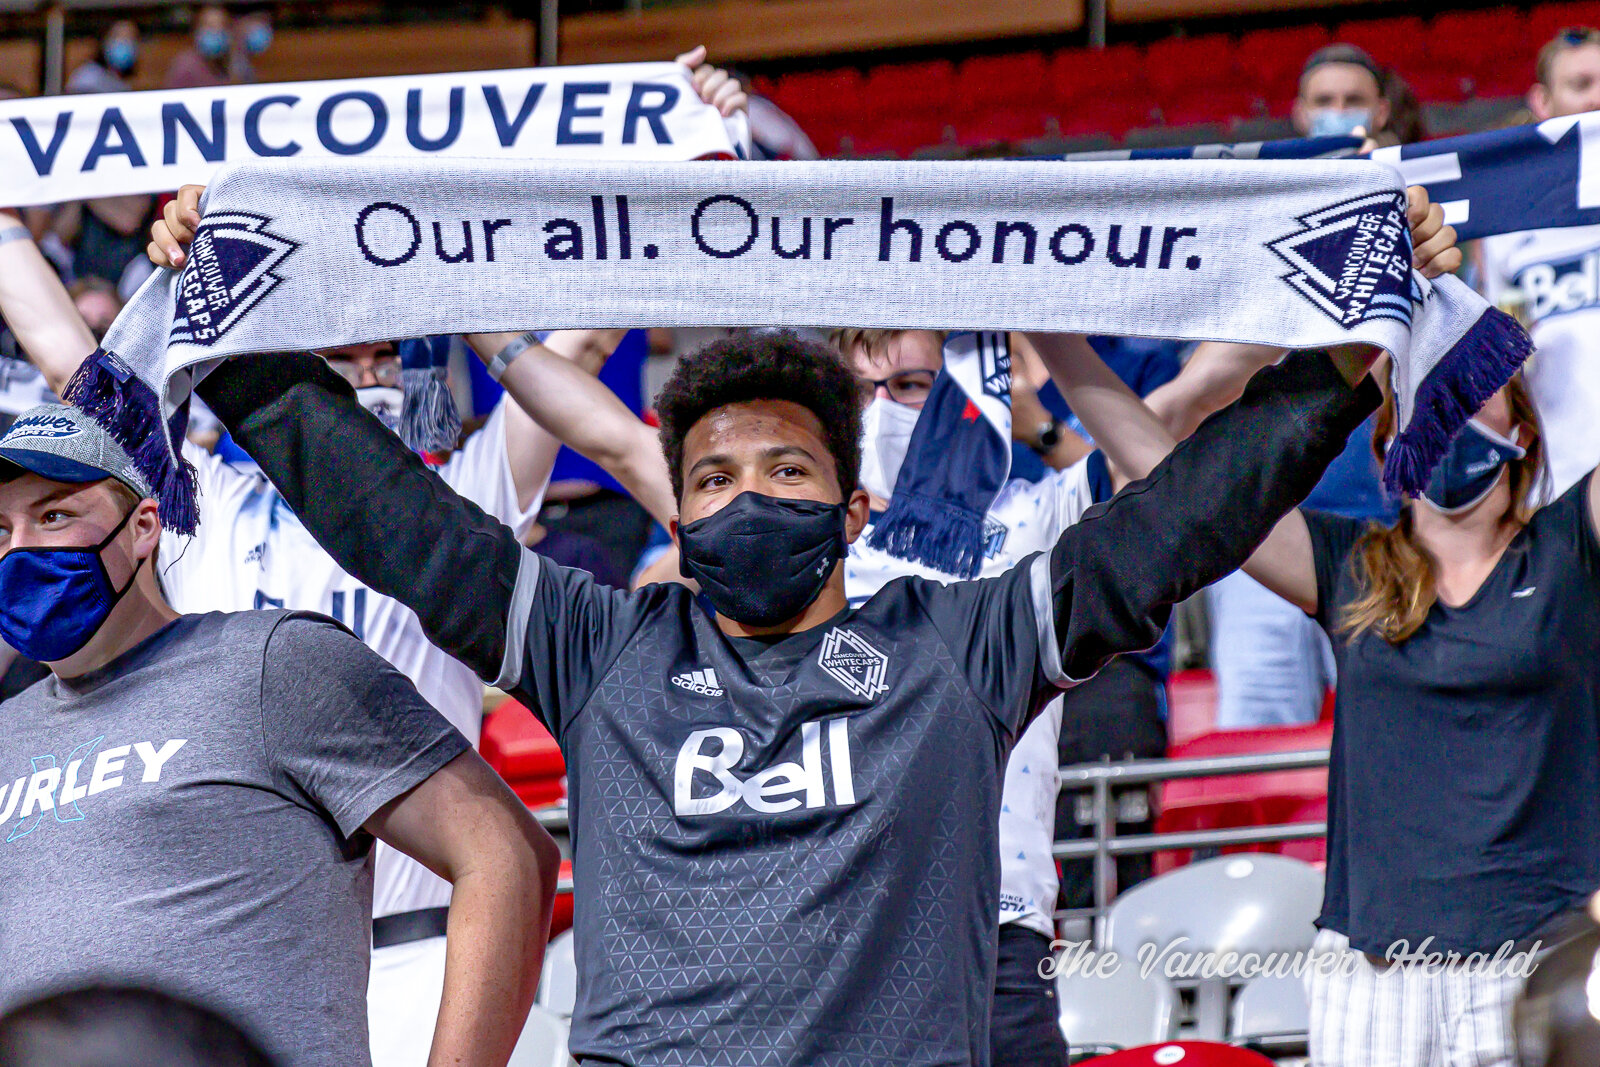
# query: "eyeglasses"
909,387
386,371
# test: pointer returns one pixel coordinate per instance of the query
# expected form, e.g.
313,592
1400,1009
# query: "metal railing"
1104,847
1101,778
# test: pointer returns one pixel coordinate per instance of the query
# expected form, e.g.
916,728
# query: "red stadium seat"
1191,705
1180,64
1439,86
902,89
1394,42
1547,20
522,751
1114,115
900,136
1271,59
1090,73
1235,800
1469,40
1001,126
1212,105
1187,1053
1017,80
831,93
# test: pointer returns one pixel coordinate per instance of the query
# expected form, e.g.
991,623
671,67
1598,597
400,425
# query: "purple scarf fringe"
108,392
1469,374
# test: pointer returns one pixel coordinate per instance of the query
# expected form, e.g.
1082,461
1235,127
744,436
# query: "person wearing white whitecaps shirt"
1551,280
1024,518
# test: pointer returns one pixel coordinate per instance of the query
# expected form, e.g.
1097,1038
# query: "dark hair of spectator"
1405,125
122,1027
753,365
1399,577
1568,39
1341,53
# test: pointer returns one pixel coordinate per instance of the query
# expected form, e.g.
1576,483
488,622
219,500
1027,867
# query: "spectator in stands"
1539,276
1464,802
205,61
1341,90
97,301
116,61
274,748
503,467
122,1027
252,35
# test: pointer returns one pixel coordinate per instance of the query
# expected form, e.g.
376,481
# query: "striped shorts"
1364,1016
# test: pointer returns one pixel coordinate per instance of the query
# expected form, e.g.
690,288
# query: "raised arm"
374,506
555,386
1129,433
1205,508
37,308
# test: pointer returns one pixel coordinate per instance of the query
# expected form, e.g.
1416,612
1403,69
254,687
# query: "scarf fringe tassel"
429,421
1466,377
129,410
935,533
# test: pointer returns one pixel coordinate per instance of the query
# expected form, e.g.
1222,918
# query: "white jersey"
252,552
1026,517
22,386
1551,278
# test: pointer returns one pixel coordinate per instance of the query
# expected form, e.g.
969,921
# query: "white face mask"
386,402
886,434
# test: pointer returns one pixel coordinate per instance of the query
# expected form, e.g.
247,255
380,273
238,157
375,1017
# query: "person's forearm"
372,503
499,923
576,407
1212,379
38,310
1129,433
1204,509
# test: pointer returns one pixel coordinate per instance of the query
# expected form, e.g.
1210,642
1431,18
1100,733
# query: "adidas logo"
703,682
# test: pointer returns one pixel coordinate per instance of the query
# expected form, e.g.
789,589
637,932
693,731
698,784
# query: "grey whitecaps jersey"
785,852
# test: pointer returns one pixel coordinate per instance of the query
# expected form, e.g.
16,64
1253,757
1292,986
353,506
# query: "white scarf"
313,254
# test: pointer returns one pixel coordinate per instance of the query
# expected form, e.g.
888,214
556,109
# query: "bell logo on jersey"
1560,287
703,682
716,751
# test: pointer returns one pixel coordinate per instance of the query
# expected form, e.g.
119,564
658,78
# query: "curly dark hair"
759,365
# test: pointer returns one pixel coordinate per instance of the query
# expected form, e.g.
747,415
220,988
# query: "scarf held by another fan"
1295,254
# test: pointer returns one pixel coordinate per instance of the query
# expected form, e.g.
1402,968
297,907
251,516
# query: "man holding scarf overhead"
776,853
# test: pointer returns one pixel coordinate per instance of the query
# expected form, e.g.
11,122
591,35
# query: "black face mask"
762,559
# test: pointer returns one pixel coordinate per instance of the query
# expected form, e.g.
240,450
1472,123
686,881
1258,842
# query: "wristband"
18,232
507,355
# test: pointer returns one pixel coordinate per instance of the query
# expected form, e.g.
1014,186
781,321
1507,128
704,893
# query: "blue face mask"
211,43
53,600
1471,469
257,38
121,55
1334,122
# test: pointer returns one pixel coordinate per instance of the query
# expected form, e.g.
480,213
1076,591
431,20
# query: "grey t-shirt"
190,817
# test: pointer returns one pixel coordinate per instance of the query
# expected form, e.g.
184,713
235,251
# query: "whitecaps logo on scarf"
1353,260
232,267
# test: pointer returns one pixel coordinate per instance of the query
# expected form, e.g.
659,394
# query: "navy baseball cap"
63,444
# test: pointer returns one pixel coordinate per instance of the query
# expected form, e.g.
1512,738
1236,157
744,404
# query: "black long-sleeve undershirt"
394,524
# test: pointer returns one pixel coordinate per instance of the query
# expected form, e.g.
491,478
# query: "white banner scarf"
318,254
108,144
